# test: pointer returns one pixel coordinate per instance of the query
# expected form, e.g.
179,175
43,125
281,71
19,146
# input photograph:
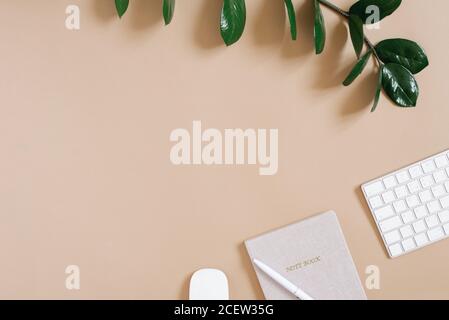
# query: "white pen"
290,287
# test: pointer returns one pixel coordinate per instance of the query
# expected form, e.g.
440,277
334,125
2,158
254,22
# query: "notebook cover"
313,255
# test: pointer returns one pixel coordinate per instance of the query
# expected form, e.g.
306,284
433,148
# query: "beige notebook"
313,255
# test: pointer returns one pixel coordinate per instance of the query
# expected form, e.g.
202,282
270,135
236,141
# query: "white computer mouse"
209,284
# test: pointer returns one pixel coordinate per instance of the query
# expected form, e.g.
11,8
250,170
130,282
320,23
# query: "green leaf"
404,52
400,85
168,9
291,18
364,9
357,35
319,29
358,68
378,90
122,6
233,19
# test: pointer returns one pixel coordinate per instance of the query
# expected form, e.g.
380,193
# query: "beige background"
85,119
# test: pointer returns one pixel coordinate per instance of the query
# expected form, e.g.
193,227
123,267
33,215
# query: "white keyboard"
411,206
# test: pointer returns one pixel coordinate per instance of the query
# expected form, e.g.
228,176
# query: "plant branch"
334,8
373,49
345,14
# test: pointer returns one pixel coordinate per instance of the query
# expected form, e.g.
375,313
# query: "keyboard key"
432,221
440,176
419,226
395,250
435,234
388,196
414,186
392,237
434,206
401,192
425,196
446,228
376,202
441,161
421,239
413,201
438,191
384,213
390,224
406,232
427,181
390,182
408,217
374,188
421,212
445,202
415,172
402,177
408,244
428,166
400,206
444,216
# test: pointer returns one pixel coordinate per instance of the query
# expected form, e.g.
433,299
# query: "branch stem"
373,49
345,14
334,8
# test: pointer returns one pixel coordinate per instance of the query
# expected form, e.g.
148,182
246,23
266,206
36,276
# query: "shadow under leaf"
269,24
207,29
361,96
329,72
145,13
